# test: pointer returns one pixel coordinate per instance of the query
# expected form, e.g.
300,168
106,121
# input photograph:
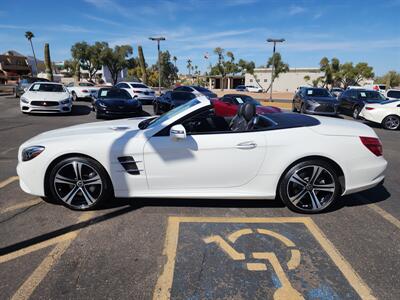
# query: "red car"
228,105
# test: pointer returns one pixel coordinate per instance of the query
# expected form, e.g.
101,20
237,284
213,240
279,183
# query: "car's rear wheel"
310,187
156,109
356,112
79,183
391,122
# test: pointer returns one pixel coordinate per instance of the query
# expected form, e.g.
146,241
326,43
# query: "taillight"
369,108
373,144
85,91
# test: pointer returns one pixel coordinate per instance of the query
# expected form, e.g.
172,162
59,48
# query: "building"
12,66
230,81
286,82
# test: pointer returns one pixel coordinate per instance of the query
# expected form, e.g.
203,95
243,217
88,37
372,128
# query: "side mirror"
177,132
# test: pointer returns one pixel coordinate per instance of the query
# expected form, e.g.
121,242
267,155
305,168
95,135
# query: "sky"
356,31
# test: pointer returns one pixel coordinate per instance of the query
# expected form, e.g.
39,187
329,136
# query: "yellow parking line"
28,287
21,205
384,214
8,181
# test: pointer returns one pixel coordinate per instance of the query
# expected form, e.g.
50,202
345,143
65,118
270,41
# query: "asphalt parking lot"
192,249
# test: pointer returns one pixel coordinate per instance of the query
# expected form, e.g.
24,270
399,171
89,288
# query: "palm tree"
189,65
175,59
29,35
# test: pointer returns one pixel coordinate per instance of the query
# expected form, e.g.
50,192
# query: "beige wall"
286,82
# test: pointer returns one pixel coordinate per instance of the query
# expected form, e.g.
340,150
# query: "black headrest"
248,111
240,110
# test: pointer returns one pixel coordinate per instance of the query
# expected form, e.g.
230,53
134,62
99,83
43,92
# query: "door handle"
246,145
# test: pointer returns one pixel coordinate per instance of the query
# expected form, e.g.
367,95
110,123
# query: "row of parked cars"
371,104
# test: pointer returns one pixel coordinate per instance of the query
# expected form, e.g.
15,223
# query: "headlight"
24,100
102,104
66,101
31,152
313,102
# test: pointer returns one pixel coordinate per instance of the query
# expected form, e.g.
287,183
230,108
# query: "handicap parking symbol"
254,258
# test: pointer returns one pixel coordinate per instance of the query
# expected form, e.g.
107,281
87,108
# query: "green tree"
353,75
142,64
169,73
29,35
115,59
189,66
89,56
331,71
391,79
279,66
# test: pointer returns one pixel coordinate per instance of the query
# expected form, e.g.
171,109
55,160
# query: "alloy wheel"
78,185
311,188
356,112
392,122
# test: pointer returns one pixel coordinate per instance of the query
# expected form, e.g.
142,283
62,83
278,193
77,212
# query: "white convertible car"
386,113
190,152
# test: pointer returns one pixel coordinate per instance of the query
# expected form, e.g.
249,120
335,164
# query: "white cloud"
295,10
102,20
239,2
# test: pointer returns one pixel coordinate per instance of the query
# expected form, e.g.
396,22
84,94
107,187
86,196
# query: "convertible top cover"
291,120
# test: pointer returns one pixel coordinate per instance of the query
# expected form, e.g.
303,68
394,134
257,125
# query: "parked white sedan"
253,89
191,152
138,91
386,113
46,97
81,90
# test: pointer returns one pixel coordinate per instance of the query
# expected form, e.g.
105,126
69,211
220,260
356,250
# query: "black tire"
305,195
79,183
294,109
303,109
391,122
74,96
98,117
356,112
156,109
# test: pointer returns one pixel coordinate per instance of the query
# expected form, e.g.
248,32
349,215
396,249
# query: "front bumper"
61,108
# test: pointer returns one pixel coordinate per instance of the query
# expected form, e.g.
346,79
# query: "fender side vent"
129,164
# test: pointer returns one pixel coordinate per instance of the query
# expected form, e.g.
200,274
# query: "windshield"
365,95
168,115
107,94
242,99
86,84
47,87
201,89
318,93
139,86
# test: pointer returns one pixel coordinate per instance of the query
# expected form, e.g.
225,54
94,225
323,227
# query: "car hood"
119,102
325,100
340,127
45,96
115,127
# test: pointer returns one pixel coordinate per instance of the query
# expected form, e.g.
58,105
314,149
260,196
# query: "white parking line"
8,181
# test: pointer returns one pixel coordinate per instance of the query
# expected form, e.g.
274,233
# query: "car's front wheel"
356,112
74,96
79,183
391,122
294,109
310,187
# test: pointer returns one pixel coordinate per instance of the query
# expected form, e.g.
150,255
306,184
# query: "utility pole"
158,39
273,63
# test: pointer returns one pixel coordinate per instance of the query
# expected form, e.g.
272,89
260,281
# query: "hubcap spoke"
91,181
315,174
70,196
325,187
62,179
296,198
297,179
88,198
77,169
314,200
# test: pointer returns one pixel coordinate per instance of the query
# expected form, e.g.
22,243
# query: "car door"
126,87
206,158
346,100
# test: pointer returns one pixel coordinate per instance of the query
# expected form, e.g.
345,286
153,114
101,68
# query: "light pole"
158,39
273,63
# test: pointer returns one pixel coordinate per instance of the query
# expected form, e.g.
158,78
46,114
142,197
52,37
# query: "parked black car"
197,90
170,100
241,88
114,102
25,82
310,100
352,101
